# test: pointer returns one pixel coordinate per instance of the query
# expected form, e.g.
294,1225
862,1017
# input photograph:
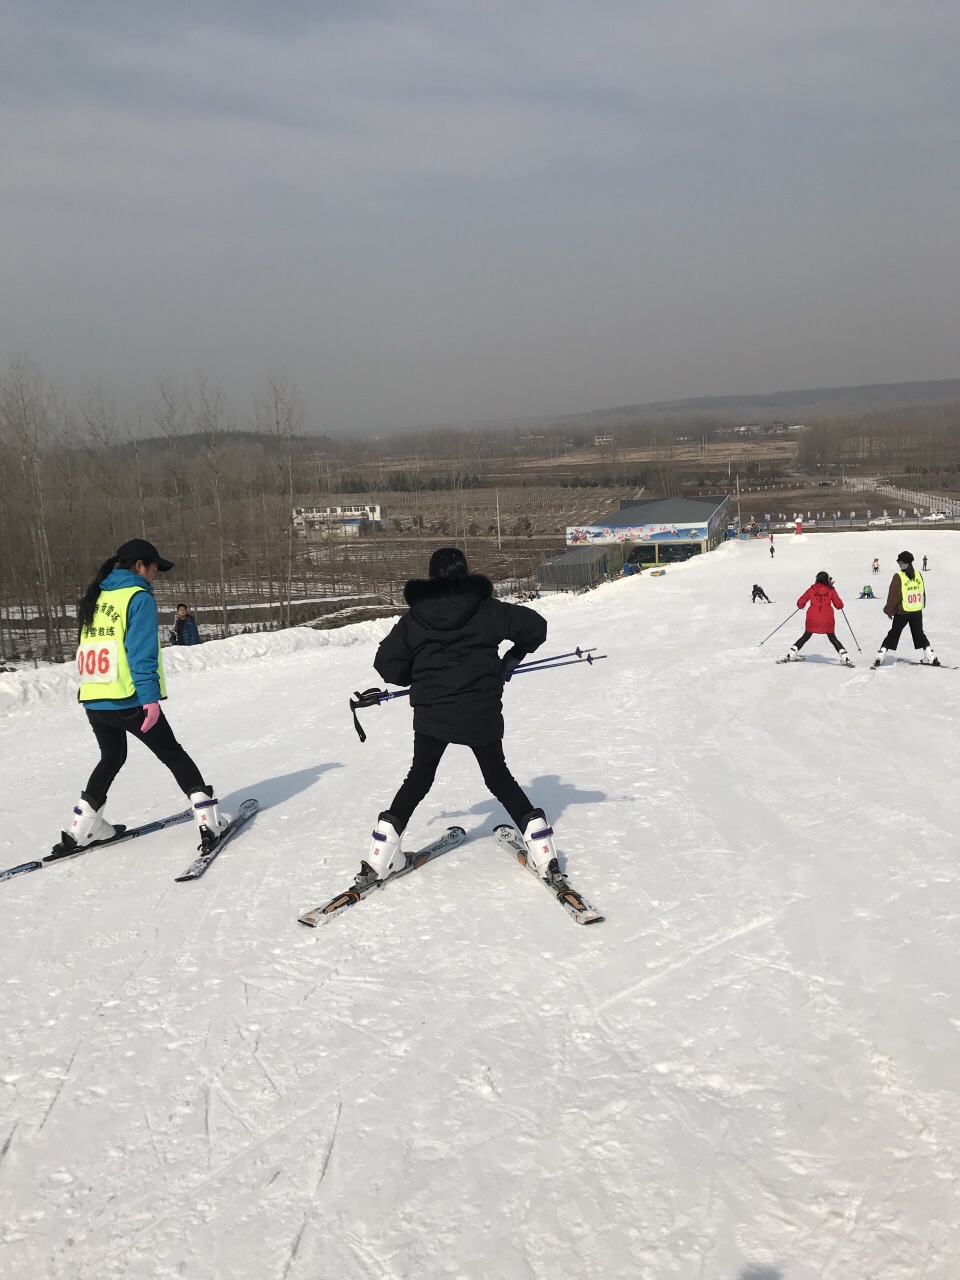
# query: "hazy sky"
471,209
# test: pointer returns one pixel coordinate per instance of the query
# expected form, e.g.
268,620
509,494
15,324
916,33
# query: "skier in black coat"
447,649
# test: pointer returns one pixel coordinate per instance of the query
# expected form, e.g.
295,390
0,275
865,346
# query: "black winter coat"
446,649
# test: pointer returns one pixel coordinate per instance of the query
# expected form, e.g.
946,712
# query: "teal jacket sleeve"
142,646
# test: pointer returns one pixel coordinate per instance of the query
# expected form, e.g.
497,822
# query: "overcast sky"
473,209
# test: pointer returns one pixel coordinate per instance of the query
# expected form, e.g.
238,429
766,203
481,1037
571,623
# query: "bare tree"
210,414
279,415
24,424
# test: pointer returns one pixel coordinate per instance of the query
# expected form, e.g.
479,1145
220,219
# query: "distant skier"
906,600
121,686
867,593
822,599
759,594
876,566
924,564
773,549
446,649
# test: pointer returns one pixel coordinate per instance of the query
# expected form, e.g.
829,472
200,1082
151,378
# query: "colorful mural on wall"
580,534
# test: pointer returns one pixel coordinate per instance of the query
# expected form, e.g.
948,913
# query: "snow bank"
25,688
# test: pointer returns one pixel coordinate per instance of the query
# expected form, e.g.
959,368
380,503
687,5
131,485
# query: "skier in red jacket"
821,600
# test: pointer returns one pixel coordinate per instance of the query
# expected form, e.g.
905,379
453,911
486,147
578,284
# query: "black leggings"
110,728
898,625
427,754
829,635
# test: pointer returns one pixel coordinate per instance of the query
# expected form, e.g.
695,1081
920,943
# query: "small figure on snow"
759,594
446,649
773,549
876,565
867,593
924,564
821,599
906,600
121,687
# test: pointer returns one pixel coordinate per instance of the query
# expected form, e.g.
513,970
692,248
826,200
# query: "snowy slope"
747,1073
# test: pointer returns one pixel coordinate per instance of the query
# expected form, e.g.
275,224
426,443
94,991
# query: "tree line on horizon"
78,480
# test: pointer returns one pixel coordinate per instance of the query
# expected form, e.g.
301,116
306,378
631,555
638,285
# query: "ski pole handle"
370,698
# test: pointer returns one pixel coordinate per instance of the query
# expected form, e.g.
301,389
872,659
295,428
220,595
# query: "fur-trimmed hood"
446,604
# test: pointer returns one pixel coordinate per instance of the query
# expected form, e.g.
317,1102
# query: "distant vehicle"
933,518
882,520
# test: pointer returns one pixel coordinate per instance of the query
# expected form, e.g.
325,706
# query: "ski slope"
748,1072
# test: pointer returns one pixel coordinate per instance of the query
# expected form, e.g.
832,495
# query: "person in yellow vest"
904,607
121,686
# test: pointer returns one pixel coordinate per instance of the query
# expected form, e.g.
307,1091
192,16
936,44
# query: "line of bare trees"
77,482
921,442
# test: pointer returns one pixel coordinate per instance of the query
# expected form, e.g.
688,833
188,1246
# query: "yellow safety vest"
102,663
913,595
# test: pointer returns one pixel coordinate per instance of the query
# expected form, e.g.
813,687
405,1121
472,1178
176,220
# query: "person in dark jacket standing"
906,600
120,665
821,600
185,629
447,649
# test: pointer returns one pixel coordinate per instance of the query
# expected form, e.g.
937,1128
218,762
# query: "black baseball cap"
905,557
141,549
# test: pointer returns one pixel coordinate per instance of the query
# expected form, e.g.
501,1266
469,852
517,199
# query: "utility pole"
739,517
499,541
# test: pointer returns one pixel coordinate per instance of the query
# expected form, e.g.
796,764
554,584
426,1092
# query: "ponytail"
88,601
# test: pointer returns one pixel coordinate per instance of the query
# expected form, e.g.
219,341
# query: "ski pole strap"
368,698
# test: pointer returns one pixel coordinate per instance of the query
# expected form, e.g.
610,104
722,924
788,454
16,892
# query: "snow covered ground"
748,1072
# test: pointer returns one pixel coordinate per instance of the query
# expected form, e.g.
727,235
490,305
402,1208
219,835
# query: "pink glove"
150,717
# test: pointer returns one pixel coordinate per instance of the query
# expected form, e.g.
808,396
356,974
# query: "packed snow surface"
748,1072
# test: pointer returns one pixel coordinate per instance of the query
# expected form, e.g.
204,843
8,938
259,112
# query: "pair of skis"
802,657
507,837
193,872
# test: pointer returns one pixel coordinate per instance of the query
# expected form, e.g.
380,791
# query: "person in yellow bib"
120,668
906,600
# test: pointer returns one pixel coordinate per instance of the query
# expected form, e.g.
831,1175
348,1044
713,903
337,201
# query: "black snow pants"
427,754
828,635
110,728
899,624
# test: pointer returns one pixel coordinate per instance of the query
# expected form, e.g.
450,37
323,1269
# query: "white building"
346,520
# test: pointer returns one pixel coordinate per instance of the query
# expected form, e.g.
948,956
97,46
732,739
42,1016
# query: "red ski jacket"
822,601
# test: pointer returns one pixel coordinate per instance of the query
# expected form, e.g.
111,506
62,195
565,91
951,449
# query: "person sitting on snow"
867,593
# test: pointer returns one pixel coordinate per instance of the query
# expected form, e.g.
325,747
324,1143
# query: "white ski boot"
793,655
385,856
541,851
929,659
89,825
878,660
844,658
211,823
